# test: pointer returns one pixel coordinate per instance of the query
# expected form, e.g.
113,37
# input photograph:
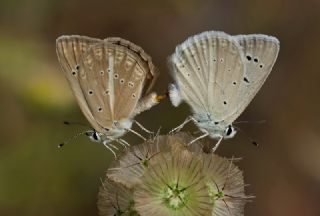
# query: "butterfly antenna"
250,122
71,138
76,123
253,142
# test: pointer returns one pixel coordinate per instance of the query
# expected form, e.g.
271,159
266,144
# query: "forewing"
189,70
203,67
142,56
260,53
136,76
70,51
112,77
226,71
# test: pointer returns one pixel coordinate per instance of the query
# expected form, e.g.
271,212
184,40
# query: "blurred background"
36,178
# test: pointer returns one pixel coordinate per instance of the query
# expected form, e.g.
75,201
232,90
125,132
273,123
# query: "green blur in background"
37,178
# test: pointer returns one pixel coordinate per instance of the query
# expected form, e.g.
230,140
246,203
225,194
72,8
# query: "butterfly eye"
229,130
95,136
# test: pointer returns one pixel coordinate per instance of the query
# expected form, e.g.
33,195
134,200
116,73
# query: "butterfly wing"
113,77
70,51
261,52
203,67
152,72
137,75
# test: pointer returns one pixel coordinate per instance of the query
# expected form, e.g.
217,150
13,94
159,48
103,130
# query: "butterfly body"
218,75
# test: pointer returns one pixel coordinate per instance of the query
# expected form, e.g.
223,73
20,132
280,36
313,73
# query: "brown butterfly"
111,80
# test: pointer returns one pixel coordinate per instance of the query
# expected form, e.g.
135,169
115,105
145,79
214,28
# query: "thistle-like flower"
115,199
135,161
173,186
225,185
164,176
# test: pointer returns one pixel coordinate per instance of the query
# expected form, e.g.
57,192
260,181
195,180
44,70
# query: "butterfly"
218,75
111,80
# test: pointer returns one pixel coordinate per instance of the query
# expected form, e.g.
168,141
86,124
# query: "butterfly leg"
136,133
217,145
122,142
106,144
117,141
113,146
142,127
198,138
177,129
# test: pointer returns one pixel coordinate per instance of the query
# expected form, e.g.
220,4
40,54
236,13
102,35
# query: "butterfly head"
94,136
215,129
218,132
229,132
116,130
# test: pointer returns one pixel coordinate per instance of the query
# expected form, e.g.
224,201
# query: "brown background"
38,179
